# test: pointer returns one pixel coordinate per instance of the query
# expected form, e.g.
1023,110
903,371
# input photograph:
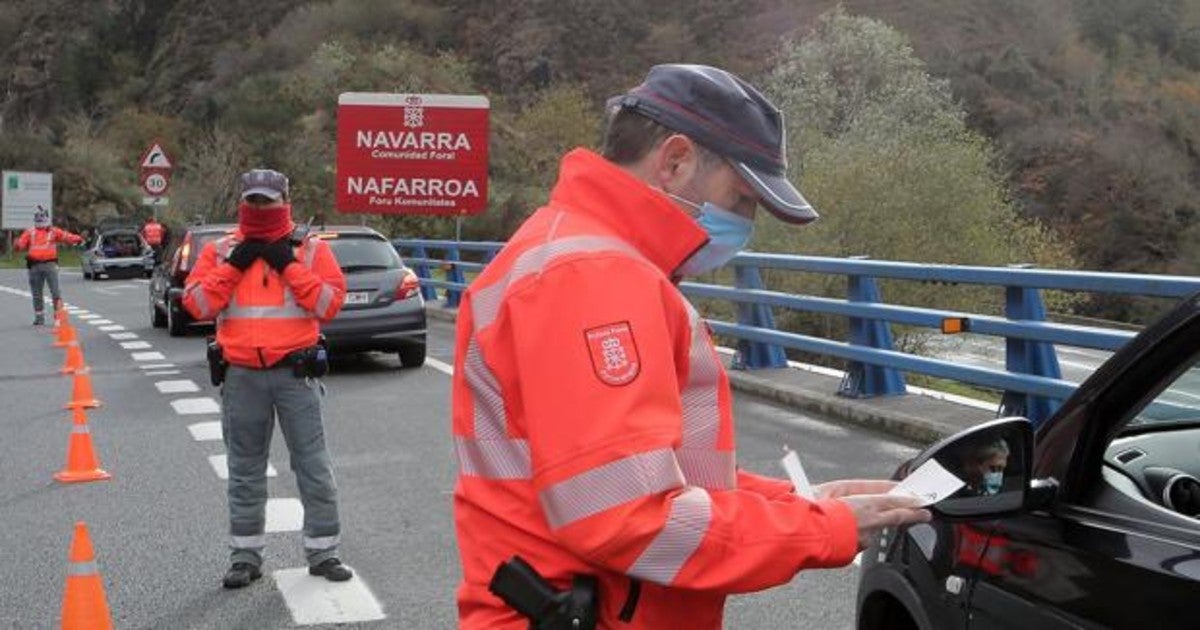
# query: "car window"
1179,403
1155,458
357,253
120,244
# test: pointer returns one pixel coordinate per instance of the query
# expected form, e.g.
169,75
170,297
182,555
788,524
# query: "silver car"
117,252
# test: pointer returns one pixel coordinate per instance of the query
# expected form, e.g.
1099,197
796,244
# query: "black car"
167,281
383,310
1094,522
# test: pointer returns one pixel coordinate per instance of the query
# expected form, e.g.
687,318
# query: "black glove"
279,254
245,253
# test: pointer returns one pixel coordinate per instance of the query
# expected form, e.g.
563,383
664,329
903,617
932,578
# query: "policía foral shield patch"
614,353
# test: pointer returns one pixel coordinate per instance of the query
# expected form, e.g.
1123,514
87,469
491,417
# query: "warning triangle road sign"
156,157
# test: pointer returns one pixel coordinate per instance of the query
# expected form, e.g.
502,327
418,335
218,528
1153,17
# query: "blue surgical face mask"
992,482
728,233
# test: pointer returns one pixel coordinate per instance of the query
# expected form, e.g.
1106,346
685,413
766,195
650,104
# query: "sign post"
156,166
412,154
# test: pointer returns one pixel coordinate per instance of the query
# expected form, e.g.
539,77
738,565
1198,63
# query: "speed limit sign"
155,183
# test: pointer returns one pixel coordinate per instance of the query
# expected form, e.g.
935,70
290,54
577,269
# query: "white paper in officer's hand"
930,483
795,473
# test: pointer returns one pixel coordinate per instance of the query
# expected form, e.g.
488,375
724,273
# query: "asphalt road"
159,524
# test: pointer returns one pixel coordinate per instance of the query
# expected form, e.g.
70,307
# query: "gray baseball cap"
729,117
265,182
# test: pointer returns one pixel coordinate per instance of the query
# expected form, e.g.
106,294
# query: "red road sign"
155,183
156,158
412,153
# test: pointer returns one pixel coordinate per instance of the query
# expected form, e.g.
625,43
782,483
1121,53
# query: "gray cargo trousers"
41,274
250,401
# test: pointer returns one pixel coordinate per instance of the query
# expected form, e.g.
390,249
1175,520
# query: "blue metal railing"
1032,383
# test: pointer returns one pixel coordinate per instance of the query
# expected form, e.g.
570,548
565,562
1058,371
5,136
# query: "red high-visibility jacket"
42,243
153,233
593,424
263,315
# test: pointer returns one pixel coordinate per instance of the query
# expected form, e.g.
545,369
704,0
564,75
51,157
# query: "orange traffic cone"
84,606
60,317
82,395
82,463
78,416
74,358
66,334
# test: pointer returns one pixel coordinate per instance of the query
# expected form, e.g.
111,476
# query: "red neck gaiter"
265,224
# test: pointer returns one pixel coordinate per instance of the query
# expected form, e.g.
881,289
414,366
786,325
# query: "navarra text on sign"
407,140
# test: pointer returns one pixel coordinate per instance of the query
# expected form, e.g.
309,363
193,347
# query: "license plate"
358,297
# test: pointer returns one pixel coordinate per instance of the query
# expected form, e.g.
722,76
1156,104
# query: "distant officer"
42,260
268,294
155,234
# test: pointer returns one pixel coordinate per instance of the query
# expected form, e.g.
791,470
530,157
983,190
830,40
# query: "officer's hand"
874,512
848,487
245,253
279,254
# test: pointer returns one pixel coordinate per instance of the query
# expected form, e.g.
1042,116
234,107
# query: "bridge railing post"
422,269
1028,357
453,274
754,355
863,380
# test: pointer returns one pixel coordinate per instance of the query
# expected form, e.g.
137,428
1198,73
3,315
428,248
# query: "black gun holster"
547,608
217,365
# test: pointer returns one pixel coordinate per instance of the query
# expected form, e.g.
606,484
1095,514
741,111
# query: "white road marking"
100,322
176,387
157,366
112,328
439,366
163,373
284,515
123,335
314,600
205,431
105,291
124,286
148,356
135,345
220,464
88,316
195,406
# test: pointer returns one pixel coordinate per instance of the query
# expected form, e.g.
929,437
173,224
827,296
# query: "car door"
1106,552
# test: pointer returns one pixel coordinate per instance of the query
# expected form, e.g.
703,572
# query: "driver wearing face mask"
983,467
592,418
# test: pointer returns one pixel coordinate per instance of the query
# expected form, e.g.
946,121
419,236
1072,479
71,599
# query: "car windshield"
364,253
1177,404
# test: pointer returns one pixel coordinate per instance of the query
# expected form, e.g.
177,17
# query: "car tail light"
185,253
408,286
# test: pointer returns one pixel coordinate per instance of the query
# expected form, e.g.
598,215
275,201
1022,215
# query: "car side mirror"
994,460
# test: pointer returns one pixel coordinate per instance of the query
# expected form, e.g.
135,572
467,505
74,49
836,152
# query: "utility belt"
29,262
310,362
547,608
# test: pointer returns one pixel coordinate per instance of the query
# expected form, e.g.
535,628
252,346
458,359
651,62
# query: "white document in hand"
795,473
930,483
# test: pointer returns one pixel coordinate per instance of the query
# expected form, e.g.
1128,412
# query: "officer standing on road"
268,292
42,260
155,234
592,418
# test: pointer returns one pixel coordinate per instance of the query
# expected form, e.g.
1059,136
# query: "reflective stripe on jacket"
593,422
263,315
42,243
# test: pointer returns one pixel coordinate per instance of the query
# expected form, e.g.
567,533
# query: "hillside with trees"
1058,132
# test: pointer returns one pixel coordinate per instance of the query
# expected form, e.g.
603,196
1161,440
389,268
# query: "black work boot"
240,575
332,570
38,320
